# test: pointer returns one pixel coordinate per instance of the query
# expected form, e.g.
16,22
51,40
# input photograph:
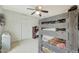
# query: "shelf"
57,25
54,48
63,35
56,17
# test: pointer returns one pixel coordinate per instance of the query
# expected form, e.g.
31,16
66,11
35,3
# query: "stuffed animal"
57,42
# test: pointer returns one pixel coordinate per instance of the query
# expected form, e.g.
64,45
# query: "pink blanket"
61,45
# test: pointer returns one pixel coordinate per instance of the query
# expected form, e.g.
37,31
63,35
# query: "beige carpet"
25,46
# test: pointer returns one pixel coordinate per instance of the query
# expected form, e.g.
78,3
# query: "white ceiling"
53,9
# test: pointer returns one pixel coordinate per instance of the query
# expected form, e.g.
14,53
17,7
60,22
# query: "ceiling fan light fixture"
40,7
37,12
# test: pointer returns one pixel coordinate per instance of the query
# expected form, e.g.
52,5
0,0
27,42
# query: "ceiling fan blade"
44,11
30,9
33,13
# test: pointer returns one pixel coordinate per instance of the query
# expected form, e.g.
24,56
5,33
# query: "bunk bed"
59,33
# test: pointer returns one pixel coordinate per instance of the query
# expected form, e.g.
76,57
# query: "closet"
59,33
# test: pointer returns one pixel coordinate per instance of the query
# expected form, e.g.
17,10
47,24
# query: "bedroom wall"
1,10
19,25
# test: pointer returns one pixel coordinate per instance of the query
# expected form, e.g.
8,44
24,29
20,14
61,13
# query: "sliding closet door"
27,23
26,30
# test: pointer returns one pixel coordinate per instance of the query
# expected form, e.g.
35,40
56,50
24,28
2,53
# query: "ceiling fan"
38,10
